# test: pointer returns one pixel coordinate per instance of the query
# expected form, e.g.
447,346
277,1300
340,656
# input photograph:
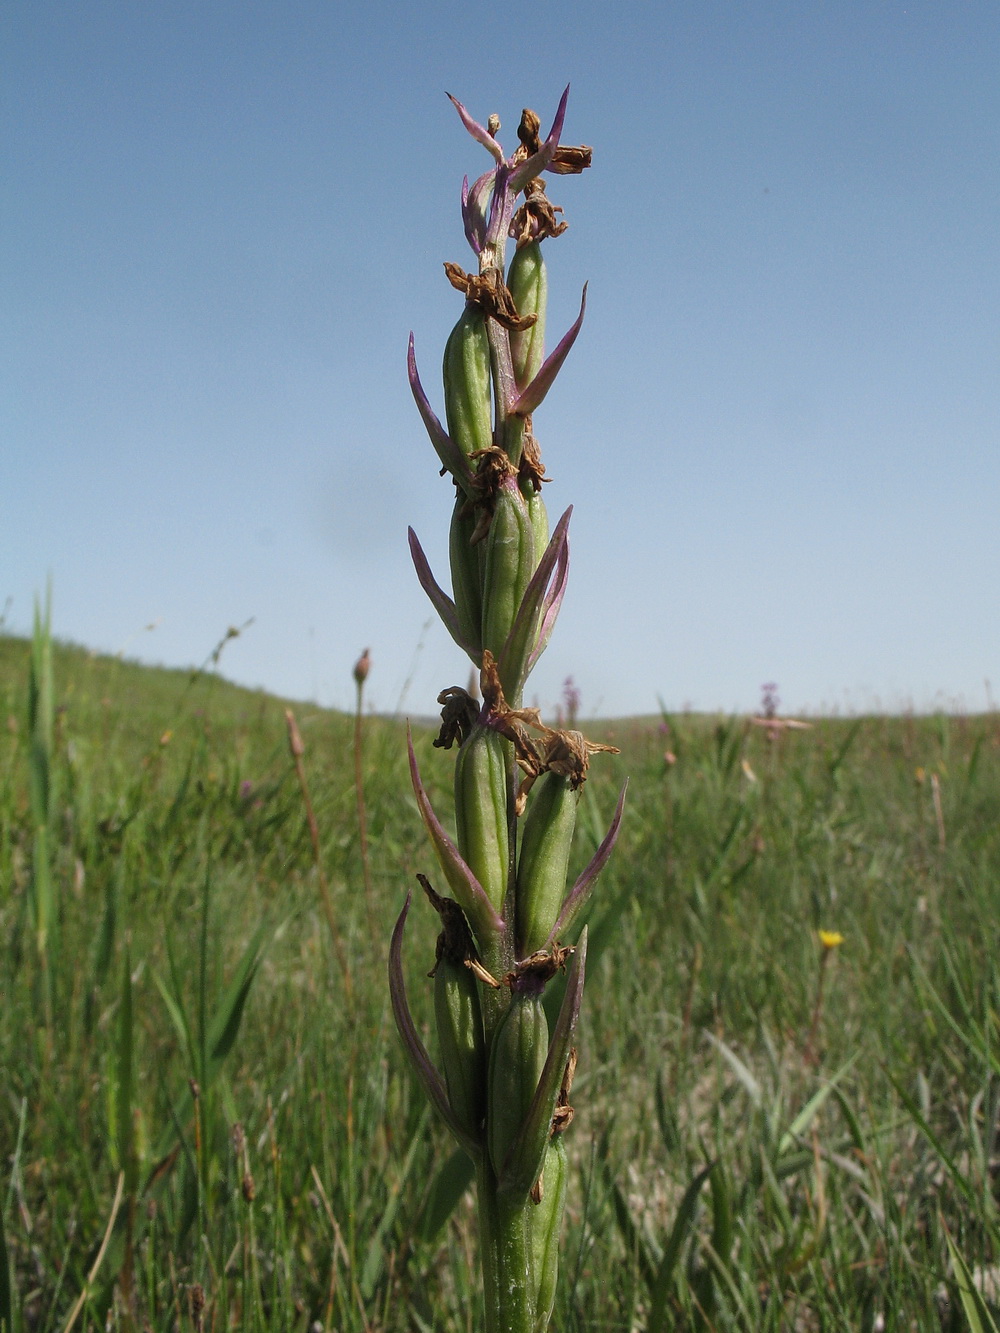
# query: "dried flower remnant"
502,1076
536,218
362,667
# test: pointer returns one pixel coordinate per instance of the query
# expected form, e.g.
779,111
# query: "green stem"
498,958
505,1241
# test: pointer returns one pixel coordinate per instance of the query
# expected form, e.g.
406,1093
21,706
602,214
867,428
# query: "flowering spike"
449,453
528,401
442,603
471,896
478,132
580,892
524,1160
506,1083
423,1065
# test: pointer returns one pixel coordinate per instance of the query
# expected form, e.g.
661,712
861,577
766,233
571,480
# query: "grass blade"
681,1229
976,1312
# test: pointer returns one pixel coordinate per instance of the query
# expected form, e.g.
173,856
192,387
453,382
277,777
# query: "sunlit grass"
277,1168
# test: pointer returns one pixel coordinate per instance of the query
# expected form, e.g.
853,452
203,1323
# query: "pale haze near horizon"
778,429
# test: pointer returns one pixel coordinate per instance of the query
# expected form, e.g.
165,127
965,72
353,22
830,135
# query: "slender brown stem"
938,811
359,787
812,1051
298,750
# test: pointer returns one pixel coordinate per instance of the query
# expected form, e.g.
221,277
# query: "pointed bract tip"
479,132
557,122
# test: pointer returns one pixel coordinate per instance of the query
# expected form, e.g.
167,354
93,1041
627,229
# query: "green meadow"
206,1118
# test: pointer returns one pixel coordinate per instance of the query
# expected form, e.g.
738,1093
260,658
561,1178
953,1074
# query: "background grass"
206,1123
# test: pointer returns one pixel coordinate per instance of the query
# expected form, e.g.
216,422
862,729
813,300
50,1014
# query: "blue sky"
779,426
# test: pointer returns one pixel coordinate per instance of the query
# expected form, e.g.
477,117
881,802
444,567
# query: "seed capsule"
510,563
467,563
463,1045
546,842
528,284
546,1223
520,1046
468,397
539,517
481,810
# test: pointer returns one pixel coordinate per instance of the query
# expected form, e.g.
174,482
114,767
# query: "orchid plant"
502,1081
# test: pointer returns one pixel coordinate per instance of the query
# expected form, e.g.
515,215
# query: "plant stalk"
505,1240
505,1072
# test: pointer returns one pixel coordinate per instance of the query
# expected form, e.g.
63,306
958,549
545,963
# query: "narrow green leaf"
976,1310
953,1170
753,1088
175,1012
636,1242
666,1116
724,1273
7,1311
41,888
225,1025
722,1215
374,1262
834,765
853,1123
123,1074
449,1185
681,1229
812,1107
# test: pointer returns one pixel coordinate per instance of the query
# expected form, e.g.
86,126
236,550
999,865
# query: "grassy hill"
198,1066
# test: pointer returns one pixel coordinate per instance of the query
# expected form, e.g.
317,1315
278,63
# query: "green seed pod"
546,842
528,284
481,810
510,563
468,397
539,517
546,1223
463,1044
520,1046
467,574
